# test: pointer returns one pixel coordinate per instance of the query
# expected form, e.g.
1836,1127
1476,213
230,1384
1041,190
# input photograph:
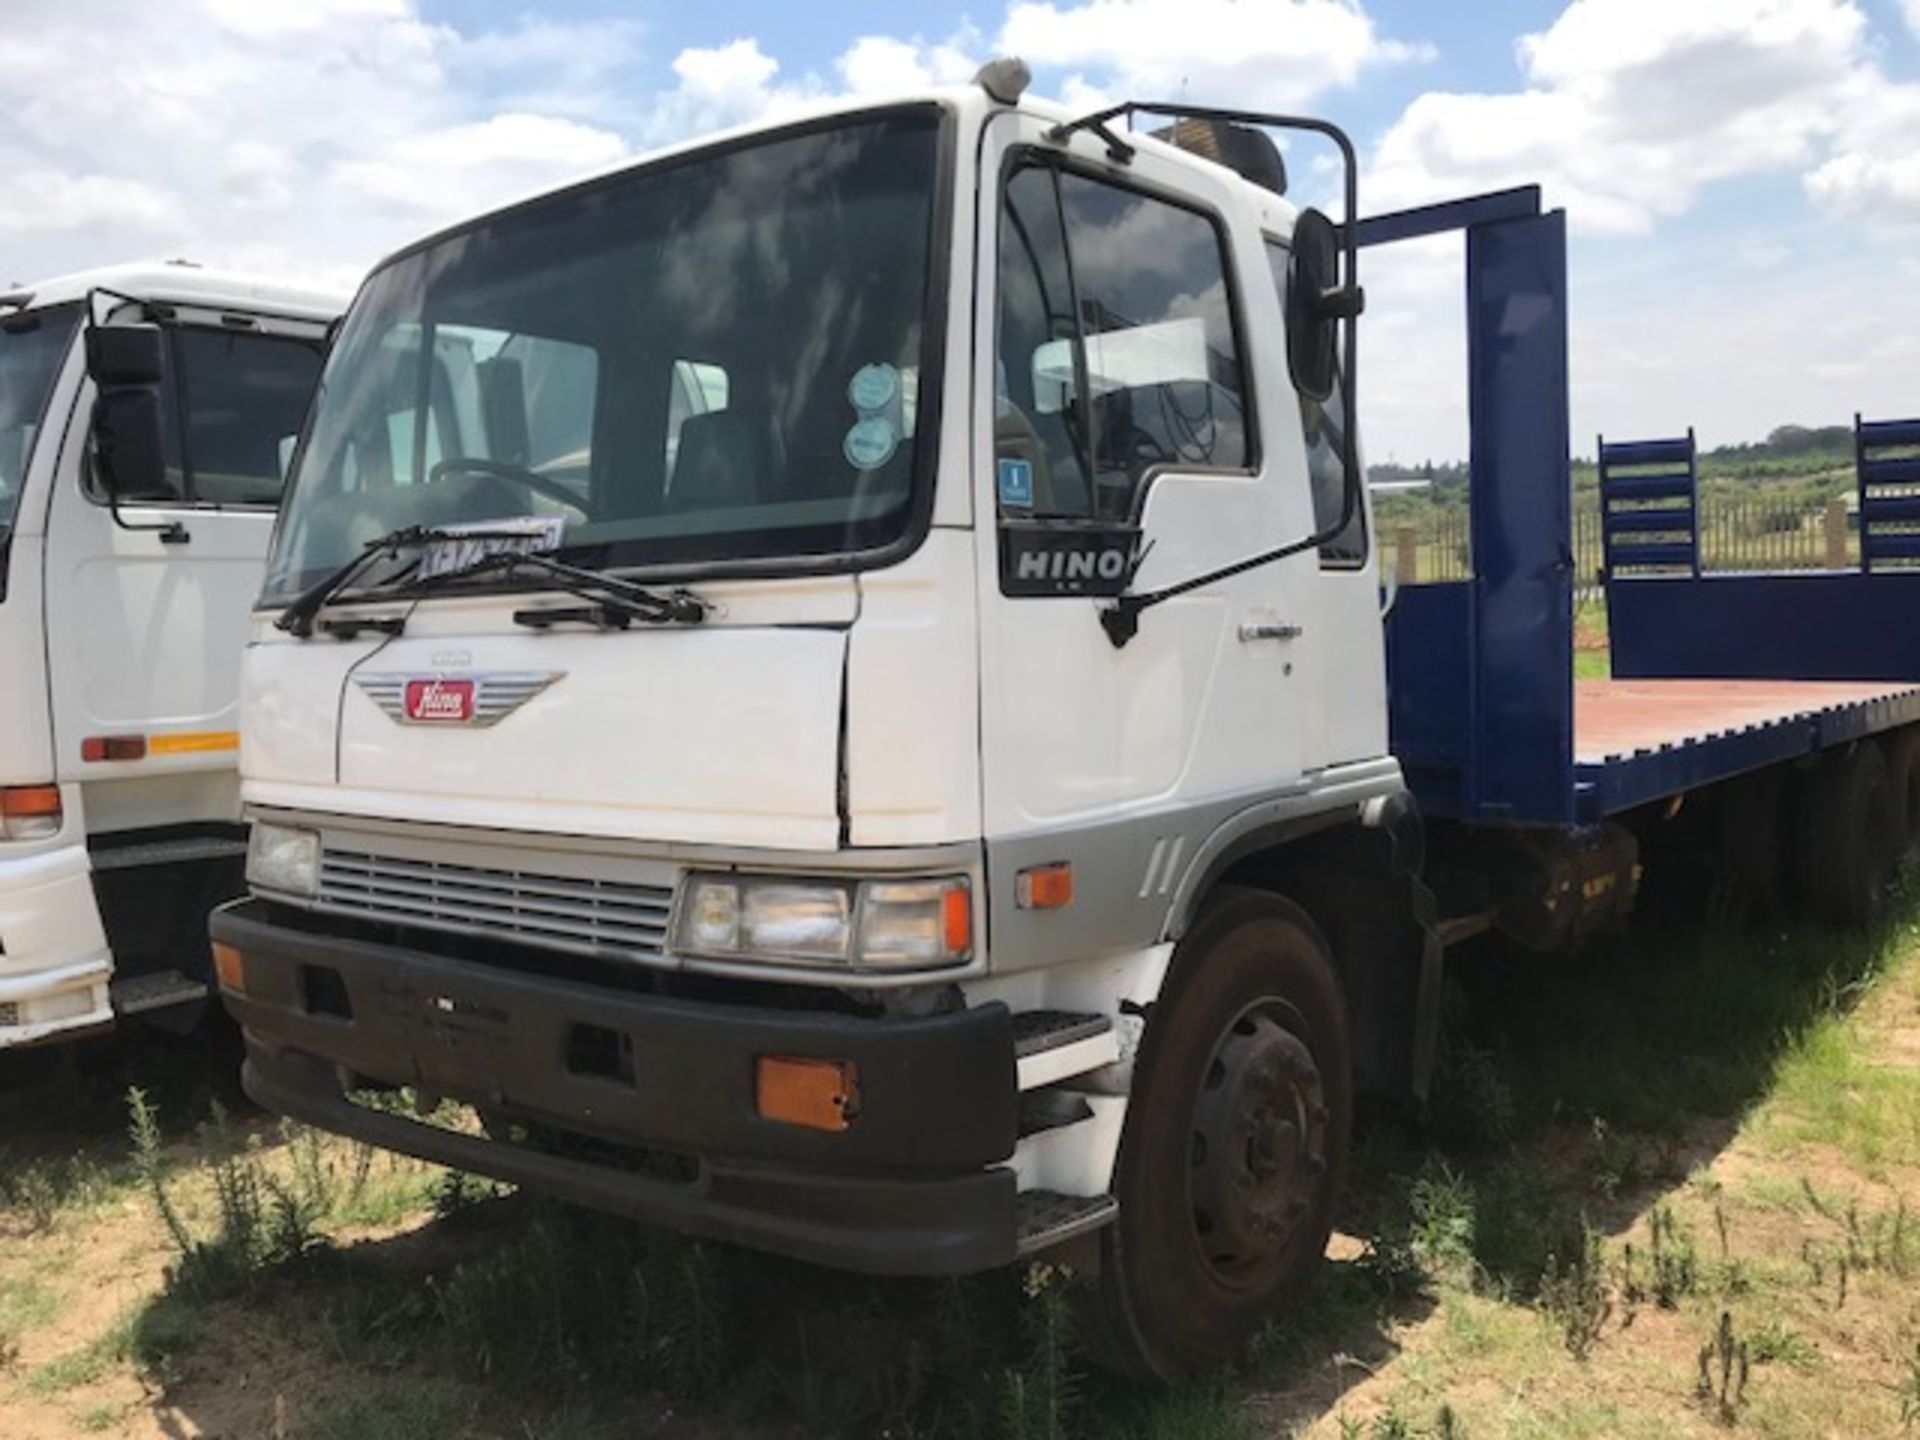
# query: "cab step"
1051,1045
189,850
137,994
1044,1219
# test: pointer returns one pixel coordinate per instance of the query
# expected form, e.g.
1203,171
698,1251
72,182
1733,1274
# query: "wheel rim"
1258,1153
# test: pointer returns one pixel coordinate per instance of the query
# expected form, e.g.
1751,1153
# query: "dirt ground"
375,1297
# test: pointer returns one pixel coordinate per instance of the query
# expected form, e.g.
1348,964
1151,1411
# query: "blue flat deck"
1637,741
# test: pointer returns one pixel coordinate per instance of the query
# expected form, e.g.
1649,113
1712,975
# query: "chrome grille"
579,914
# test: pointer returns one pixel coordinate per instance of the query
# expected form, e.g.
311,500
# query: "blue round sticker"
873,387
870,444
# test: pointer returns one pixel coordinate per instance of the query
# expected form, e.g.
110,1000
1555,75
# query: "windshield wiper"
617,602
297,619
613,596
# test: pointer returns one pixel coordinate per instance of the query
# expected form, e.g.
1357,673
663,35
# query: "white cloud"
435,174
1632,106
881,64
722,86
304,135
1280,52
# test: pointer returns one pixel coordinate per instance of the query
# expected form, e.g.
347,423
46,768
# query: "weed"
1909,1392
1520,1219
1392,1266
1473,1105
264,1221
1574,1296
1676,1264
143,1129
1722,1384
1038,1397
1774,1342
1615,1163
1443,1222
455,1192
1390,1424
41,1189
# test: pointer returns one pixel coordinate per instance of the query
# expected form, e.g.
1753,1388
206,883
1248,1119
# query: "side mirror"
1316,304
125,355
127,448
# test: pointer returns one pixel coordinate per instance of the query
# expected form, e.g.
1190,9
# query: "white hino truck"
834,685
123,612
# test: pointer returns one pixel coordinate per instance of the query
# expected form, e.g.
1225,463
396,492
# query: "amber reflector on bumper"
230,968
820,1094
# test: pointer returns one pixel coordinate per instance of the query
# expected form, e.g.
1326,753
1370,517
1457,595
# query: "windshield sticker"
870,444
873,388
1016,484
467,543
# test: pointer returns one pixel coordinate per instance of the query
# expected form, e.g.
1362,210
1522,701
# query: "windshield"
32,347
716,359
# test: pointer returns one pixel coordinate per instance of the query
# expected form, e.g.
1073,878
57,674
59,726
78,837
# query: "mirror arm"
171,532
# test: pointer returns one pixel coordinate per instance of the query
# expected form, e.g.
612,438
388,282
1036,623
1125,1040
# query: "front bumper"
54,960
914,1185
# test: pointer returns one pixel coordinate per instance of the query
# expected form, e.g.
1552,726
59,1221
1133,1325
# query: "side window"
239,399
1117,353
1324,425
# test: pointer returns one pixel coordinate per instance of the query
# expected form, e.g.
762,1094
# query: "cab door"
147,610
1133,369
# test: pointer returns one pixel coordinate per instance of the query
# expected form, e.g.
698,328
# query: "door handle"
1251,630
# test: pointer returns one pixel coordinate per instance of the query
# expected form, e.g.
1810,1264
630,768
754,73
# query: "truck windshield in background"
712,359
32,347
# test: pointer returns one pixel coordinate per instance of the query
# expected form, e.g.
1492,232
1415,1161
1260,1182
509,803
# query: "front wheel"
1235,1144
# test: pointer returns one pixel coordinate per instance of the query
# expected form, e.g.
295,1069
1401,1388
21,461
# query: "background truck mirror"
1313,322
125,355
126,442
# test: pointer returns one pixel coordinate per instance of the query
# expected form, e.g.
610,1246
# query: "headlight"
284,859
869,925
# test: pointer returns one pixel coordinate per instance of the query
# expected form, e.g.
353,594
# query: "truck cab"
710,708
122,619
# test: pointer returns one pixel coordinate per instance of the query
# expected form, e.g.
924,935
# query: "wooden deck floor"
1613,719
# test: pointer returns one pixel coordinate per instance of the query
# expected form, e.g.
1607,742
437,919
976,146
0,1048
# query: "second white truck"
123,612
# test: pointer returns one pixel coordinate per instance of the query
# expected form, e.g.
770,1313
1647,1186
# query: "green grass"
1828,1092
26,1303
393,1410
86,1364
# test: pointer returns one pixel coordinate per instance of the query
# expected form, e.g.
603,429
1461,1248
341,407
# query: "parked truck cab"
122,619
680,720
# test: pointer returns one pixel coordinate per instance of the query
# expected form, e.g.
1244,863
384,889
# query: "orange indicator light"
1045,887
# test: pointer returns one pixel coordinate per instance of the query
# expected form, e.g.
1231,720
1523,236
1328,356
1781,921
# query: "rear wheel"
1235,1144
1847,846
1750,851
1903,785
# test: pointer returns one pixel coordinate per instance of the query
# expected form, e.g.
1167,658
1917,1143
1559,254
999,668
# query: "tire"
1235,1145
1846,848
1752,866
1902,748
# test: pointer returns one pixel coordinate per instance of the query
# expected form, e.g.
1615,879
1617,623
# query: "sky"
1741,177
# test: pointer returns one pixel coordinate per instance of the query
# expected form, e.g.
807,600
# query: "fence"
1734,535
